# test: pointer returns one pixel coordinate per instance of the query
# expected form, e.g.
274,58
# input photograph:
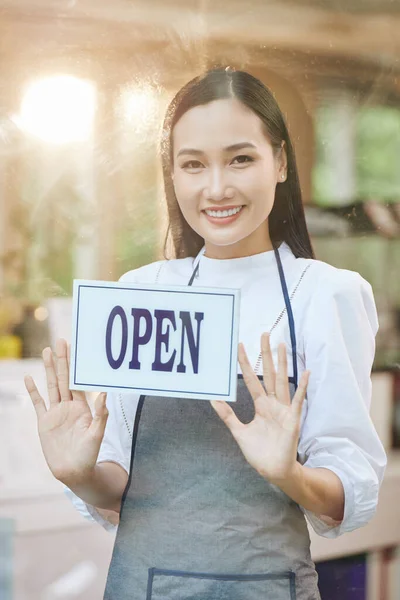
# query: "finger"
298,398
76,395
251,380
51,377
268,364
282,384
100,416
226,414
63,370
37,400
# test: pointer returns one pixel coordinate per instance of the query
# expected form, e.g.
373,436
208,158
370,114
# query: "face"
225,174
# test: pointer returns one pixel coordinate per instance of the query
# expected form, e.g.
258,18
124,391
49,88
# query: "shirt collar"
263,260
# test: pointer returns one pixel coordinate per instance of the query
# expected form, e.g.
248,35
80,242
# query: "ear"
282,163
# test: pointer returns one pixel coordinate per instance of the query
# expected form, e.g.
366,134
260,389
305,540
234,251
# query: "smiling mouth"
223,213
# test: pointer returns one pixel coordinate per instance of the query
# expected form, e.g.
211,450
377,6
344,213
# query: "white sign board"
174,341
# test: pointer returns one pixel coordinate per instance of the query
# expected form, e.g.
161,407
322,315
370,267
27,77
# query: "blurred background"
83,88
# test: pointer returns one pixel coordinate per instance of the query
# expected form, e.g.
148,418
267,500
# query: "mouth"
223,216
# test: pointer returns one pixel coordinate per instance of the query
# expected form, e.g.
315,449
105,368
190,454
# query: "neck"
245,247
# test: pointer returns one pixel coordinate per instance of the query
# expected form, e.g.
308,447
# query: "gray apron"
197,521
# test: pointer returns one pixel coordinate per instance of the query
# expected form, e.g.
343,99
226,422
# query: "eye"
192,164
243,159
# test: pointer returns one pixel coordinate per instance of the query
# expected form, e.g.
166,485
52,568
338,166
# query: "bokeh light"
58,109
139,106
41,313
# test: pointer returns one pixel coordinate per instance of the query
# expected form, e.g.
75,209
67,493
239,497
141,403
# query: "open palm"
269,442
70,436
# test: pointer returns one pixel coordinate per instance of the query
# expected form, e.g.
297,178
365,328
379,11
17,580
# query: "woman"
214,506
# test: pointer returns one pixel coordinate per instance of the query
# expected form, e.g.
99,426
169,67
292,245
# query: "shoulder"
144,274
333,280
162,271
321,279
339,291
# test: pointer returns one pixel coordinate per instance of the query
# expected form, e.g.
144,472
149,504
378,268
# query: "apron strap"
196,264
290,315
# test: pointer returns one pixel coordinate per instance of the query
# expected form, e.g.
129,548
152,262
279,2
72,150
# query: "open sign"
162,341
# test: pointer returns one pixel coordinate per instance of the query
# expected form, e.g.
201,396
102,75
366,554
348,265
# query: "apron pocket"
164,584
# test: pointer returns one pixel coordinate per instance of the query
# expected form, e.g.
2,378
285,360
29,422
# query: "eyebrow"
231,148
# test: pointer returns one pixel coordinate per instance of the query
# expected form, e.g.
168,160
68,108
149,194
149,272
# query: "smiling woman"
213,497
218,176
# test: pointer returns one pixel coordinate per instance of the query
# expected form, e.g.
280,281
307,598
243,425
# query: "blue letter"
163,338
194,349
118,310
140,340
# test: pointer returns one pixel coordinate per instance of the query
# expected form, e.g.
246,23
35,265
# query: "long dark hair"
286,221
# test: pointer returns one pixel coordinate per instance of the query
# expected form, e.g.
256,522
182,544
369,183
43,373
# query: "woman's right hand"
70,436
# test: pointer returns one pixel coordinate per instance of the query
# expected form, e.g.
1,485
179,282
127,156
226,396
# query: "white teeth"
223,213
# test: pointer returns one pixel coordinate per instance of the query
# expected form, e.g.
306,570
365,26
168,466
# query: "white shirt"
336,323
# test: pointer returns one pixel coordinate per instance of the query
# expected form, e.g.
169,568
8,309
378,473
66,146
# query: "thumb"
227,415
100,416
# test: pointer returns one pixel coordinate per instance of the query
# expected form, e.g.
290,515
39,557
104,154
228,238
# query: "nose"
218,187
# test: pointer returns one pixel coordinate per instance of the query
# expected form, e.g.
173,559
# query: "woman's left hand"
269,442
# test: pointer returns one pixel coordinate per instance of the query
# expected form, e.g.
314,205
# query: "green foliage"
323,176
377,149
378,153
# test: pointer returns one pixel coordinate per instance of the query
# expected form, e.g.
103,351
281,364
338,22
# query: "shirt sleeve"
338,434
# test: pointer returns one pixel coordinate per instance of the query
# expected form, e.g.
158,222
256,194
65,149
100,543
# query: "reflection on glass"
80,197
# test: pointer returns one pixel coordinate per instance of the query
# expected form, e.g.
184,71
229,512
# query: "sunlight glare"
139,106
58,109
